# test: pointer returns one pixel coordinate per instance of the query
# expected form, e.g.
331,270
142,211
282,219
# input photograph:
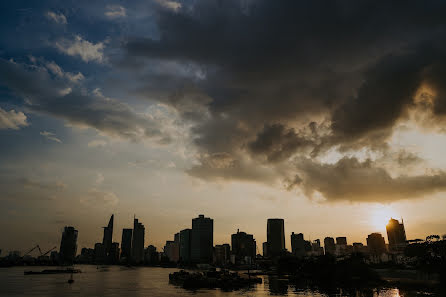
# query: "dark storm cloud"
352,180
297,78
64,99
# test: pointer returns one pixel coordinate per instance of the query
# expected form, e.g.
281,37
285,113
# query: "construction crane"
46,253
36,247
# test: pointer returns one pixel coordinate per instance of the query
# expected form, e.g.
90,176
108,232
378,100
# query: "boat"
53,271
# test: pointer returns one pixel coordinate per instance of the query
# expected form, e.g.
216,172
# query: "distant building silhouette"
316,249
108,238
185,245
138,242
297,244
222,254
202,239
126,244
151,256
359,248
275,234
243,246
99,253
396,234
341,246
68,245
329,246
265,249
376,244
113,256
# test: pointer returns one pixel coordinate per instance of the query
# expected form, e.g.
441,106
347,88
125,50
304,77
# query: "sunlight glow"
381,215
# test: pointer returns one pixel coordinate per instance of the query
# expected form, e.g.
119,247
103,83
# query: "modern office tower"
113,256
376,244
202,243
341,240
126,244
99,253
168,250
396,235
87,256
265,249
138,242
341,246
329,246
108,237
316,249
243,245
172,249
222,254
298,244
275,236
68,245
185,245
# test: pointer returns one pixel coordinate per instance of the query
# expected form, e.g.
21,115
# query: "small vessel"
71,280
53,271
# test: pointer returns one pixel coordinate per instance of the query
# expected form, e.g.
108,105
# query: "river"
152,282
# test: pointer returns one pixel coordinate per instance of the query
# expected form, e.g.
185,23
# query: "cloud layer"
290,80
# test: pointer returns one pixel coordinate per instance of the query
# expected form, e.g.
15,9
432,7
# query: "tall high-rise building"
126,243
185,245
275,236
265,249
138,242
396,234
329,246
202,243
376,244
243,245
68,245
341,246
108,237
297,244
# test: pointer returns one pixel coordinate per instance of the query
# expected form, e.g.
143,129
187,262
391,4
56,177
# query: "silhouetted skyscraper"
275,234
297,244
396,234
126,243
185,245
202,243
243,245
108,237
329,246
376,244
138,242
68,245
222,254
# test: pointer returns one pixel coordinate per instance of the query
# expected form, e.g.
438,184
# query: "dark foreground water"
153,282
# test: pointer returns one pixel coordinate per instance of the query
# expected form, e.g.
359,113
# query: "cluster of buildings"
195,245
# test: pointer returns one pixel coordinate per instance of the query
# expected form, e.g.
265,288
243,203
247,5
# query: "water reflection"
145,281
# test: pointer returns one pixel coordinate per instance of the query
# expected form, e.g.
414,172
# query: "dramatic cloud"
115,11
66,100
352,180
85,49
56,17
12,119
50,136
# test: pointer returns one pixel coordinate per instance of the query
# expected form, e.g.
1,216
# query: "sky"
328,114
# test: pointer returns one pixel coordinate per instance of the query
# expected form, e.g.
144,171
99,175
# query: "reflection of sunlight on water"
389,293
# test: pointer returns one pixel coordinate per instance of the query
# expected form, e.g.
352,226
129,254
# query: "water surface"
153,282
